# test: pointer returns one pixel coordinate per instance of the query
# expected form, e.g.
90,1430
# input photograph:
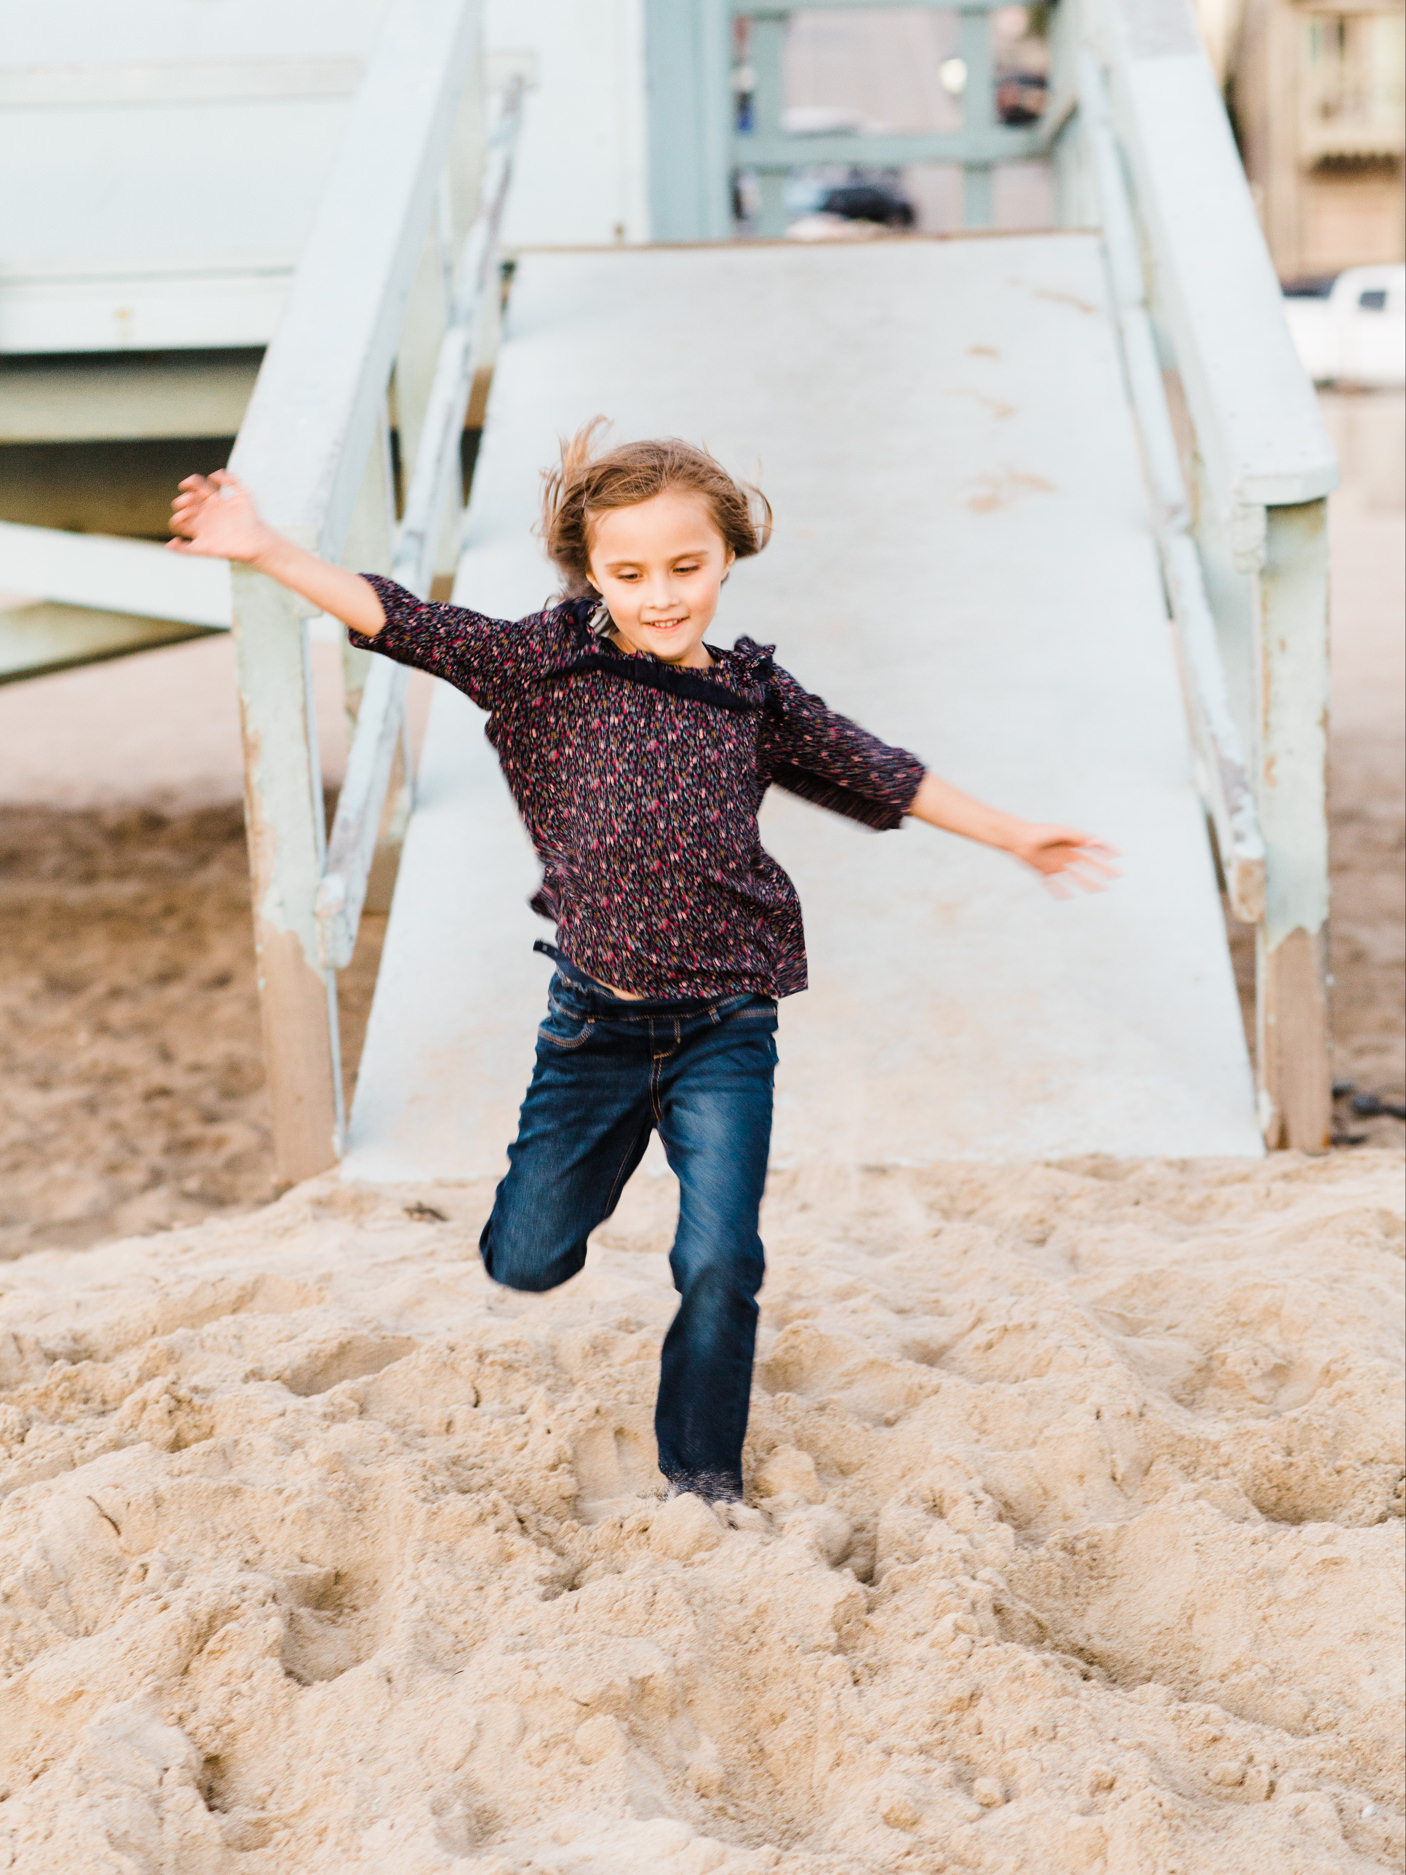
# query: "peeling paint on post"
1291,978
284,821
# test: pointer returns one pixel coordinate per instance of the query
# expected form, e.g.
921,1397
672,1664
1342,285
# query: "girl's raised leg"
584,1125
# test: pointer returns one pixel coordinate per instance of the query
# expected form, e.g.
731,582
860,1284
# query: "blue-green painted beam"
688,81
759,10
978,118
997,144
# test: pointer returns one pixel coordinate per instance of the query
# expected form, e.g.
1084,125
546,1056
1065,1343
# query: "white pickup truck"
1352,329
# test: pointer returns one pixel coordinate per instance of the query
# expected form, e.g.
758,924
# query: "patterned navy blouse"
640,783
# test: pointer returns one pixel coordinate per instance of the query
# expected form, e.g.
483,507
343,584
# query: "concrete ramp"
963,562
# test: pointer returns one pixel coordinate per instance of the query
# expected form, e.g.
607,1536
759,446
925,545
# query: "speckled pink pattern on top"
640,785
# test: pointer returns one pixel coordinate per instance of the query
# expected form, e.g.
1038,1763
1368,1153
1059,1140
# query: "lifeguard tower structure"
1051,511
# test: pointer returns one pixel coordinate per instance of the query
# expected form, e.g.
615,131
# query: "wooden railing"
373,339
380,723
1223,771
1240,505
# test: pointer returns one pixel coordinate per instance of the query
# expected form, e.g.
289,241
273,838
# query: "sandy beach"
1072,1545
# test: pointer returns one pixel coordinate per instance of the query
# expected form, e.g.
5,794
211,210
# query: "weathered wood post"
286,829
1291,940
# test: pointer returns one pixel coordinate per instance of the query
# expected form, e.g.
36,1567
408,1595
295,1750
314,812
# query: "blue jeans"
608,1072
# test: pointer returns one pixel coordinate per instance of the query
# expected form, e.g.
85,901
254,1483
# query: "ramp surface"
963,562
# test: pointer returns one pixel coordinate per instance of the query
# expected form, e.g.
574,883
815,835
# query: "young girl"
638,755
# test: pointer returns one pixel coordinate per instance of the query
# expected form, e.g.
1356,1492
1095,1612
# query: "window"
1351,94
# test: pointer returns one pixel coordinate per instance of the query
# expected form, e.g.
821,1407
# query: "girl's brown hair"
585,486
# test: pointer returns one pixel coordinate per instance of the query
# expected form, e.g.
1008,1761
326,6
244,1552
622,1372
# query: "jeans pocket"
564,1027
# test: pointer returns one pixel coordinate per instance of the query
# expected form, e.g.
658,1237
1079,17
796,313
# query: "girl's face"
659,566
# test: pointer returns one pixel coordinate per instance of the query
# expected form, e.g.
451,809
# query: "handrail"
1223,770
454,371
1246,568
308,428
1257,422
351,845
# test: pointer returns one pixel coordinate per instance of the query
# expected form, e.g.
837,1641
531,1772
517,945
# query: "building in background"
1317,93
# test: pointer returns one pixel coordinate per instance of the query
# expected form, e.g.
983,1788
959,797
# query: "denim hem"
711,1485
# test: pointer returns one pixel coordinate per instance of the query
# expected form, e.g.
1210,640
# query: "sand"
131,1064
1074,1541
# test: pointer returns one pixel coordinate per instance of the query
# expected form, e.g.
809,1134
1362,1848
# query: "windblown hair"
585,485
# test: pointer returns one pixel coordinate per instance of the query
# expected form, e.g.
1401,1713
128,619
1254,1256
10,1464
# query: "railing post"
286,831
688,46
418,353
767,54
370,541
1295,1073
1076,203
368,550
978,114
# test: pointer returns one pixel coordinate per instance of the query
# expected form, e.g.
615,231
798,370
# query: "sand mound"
1073,1546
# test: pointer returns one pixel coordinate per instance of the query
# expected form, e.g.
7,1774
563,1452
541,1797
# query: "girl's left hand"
1064,857
216,515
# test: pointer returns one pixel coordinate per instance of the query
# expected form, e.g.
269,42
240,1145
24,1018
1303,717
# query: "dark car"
867,201
1020,97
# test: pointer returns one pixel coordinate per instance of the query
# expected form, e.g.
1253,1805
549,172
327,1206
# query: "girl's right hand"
215,515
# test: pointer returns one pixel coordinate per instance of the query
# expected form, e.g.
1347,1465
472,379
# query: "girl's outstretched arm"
215,515
1060,854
